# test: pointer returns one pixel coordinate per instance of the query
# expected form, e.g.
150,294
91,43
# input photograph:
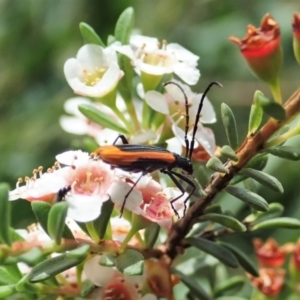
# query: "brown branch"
250,147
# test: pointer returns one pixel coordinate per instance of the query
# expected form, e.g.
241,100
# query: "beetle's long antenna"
187,117
198,115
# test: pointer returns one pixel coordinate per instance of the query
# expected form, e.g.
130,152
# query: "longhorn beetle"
147,159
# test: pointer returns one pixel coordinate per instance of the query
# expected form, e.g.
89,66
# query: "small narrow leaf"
270,107
124,26
151,235
5,214
258,162
100,118
79,253
263,178
7,290
224,220
246,263
253,200
255,118
212,248
216,165
100,224
56,221
193,285
52,267
87,287
288,152
41,210
126,82
229,153
130,262
230,126
6,278
275,210
89,35
283,222
213,208
107,260
231,285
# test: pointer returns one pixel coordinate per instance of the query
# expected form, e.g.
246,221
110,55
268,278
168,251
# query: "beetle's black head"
185,164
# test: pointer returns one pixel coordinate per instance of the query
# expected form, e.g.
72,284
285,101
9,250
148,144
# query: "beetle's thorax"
183,163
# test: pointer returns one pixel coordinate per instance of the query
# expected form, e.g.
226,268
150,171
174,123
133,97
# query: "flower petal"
84,208
157,101
118,191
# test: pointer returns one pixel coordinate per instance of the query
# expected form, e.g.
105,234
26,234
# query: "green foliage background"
36,38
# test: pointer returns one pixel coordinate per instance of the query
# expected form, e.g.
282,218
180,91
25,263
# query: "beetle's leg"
123,138
126,196
172,175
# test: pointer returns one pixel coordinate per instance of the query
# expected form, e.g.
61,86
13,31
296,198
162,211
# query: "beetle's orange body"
117,155
140,158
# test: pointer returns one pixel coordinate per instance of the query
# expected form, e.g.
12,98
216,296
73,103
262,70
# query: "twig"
250,147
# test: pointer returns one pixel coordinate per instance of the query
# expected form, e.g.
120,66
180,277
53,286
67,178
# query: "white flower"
77,123
94,72
114,285
173,103
89,180
149,57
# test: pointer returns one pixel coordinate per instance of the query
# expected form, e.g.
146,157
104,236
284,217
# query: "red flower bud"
296,32
269,254
262,50
269,282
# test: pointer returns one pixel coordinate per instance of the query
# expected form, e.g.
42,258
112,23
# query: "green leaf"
24,286
15,237
5,214
275,210
246,263
89,35
229,153
124,26
52,267
263,178
56,221
255,118
6,278
7,290
253,200
100,118
41,210
31,257
151,235
230,126
212,248
100,224
224,220
213,208
216,165
193,285
87,287
130,262
270,107
125,84
258,162
231,298
107,260
79,253
284,222
288,152
231,285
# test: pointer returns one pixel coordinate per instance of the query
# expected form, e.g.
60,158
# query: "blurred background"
37,37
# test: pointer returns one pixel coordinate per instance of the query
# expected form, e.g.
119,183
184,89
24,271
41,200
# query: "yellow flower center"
92,78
